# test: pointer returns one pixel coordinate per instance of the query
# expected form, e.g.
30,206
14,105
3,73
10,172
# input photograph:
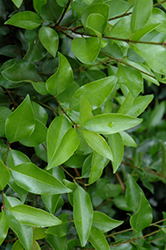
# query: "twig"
120,181
64,12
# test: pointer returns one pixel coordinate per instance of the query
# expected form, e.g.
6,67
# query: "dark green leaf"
5,175
98,240
4,226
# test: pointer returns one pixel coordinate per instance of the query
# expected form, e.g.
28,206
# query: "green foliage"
82,124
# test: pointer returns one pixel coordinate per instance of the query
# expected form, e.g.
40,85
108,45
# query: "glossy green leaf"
143,217
40,87
140,15
98,143
37,4
97,167
116,144
4,226
23,232
5,175
51,202
62,78
21,123
95,92
98,240
50,39
133,191
51,11
139,105
16,157
127,104
4,112
17,3
111,123
25,20
33,216
40,113
35,180
62,3
128,140
104,222
117,7
83,214
57,243
21,71
35,53
86,49
85,111
39,233
131,78
59,230
65,149
121,28
37,137
159,15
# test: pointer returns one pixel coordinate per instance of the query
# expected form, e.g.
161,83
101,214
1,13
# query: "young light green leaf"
86,49
127,139
95,92
103,222
85,111
62,78
50,39
131,78
140,15
4,226
33,216
97,167
98,143
83,214
17,3
65,149
116,144
21,123
35,180
98,240
111,123
25,20
143,217
4,176
56,131
17,246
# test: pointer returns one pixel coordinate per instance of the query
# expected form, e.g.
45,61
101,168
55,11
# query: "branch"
64,12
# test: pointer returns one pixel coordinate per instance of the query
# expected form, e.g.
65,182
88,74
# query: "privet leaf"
25,20
97,166
98,143
35,180
62,78
111,123
83,214
98,240
34,216
4,175
143,217
85,111
50,39
4,226
21,123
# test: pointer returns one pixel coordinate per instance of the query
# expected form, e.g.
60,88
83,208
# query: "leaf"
98,240
57,243
127,139
35,53
111,123
86,49
21,71
156,115
34,216
40,113
4,176
37,137
4,226
50,39
66,148
133,191
51,202
40,87
104,222
98,143
21,123
131,78
85,111
4,113
97,167
143,217
59,230
83,214
95,92
62,78
140,15
116,144
62,3
37,4
25,20
17,3
35,180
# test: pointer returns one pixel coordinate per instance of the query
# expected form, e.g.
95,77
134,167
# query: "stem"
156,4
120,181
11,98
64,12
